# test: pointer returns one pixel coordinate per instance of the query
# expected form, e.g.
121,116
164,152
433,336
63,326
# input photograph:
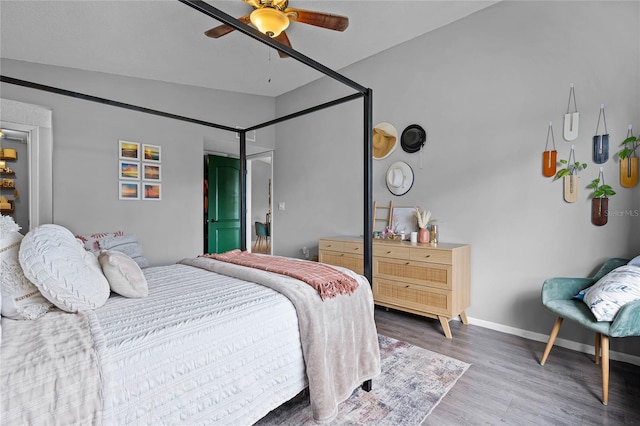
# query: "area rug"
413,381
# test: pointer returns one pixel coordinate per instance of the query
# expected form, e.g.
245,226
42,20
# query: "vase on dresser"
423,235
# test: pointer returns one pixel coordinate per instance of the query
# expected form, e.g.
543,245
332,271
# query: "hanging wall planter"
570,176
629,160
571,118
601,142
549,157
600,200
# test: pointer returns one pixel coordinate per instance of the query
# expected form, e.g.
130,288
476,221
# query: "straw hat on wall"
385,139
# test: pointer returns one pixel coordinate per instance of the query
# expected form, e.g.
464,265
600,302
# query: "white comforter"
223,351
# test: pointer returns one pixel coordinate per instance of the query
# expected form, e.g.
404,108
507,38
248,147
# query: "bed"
212,343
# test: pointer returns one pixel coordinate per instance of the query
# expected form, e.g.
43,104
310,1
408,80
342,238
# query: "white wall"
85,151
485,89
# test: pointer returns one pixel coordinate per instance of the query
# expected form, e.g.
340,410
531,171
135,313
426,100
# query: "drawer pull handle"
428,255
357,248
389,252
407,286
407,263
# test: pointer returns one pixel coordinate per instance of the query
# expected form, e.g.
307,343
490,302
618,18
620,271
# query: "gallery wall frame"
129,190
128,150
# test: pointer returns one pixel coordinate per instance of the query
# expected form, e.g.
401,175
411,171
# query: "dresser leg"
463,318
444,322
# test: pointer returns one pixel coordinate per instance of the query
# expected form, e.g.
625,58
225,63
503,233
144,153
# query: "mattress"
199,359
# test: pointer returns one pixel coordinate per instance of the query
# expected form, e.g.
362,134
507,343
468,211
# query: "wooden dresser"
432,281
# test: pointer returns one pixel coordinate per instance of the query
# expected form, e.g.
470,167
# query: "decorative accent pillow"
127,244
91,243
64,272
20,298
614,290
123,273
635,261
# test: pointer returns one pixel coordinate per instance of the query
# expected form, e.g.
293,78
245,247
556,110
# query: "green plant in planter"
570,169
600,190
630,145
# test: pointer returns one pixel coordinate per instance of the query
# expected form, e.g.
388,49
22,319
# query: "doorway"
259,219
221,204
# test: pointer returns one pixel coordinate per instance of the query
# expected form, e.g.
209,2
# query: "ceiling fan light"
269,21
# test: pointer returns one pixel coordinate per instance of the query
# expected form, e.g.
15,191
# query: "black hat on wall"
413,138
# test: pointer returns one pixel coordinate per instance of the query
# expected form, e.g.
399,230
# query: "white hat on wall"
399,178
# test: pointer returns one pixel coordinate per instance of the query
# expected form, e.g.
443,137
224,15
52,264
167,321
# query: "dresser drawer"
412,296
353,248
354,262
431,274
331,245
430,255
389,250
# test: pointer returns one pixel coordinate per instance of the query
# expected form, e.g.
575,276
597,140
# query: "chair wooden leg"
552,338
605,368
597,345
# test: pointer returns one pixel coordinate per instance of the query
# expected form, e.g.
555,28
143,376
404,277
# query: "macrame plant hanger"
572,180
601,142
571,119
599,205
549,158
629,166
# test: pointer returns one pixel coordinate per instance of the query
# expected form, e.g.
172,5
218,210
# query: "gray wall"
85,156
485,89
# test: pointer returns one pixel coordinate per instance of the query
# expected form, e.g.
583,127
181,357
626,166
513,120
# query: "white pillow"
123,273
127,244
614,290
64,272
20,298
635,261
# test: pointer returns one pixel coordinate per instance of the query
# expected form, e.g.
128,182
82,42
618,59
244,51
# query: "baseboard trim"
569,344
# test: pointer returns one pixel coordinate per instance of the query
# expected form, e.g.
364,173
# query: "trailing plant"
630,145
570,169
601,190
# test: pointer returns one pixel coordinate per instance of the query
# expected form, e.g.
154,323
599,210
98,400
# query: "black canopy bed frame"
361,92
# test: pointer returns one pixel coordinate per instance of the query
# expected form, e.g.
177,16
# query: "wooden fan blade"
284,39
319,19
225,29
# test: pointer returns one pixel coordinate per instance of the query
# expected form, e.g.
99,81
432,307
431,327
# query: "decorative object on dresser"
424,219
424,279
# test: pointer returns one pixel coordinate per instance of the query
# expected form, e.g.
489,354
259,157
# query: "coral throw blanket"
328,282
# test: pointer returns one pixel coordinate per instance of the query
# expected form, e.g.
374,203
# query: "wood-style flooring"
506,385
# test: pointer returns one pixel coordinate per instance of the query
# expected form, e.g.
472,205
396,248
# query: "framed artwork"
129,169
151,172
129,190
151,153
404,219
129,150
151,191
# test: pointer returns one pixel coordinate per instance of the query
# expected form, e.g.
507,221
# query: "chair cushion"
614,290
577,311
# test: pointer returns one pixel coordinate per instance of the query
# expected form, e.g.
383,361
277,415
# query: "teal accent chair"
262,236
558,296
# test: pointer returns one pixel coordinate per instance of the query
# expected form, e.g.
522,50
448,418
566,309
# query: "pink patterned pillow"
92,242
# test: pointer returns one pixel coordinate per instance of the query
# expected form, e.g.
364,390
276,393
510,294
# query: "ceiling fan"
272,17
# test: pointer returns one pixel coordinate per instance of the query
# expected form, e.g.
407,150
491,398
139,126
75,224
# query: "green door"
223,212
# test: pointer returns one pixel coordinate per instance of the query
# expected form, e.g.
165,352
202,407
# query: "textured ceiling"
163,40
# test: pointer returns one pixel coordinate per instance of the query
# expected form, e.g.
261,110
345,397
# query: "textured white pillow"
614,290
123,273
20,298
64,272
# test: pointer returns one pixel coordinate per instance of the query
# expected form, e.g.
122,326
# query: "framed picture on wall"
129,190
129,169
151,172
151,153
151,191
129,150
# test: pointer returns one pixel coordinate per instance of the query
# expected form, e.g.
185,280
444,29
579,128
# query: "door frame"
265,157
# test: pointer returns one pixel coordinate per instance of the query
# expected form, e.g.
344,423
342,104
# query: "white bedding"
200,359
